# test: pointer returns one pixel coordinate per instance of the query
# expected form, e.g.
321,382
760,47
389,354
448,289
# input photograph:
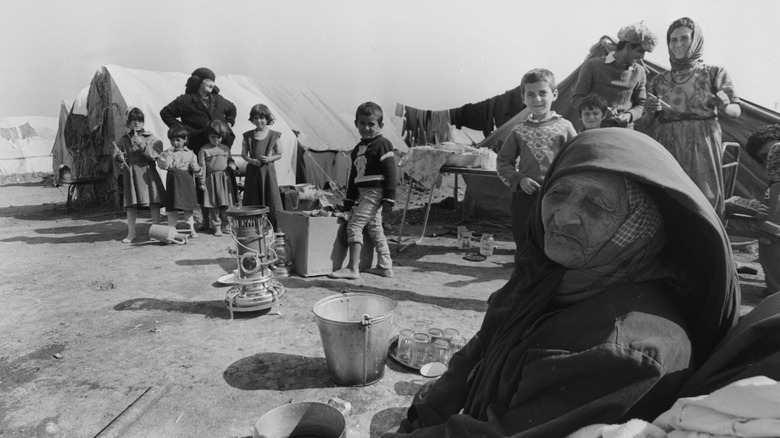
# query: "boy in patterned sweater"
531,146
371,187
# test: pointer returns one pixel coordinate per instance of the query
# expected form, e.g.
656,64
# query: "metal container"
304,419
249,227
355,329
167,234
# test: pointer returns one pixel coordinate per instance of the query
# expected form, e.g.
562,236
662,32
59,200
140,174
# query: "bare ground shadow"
226,263
90,233
273,370
396,294
386,420
210,309
57,210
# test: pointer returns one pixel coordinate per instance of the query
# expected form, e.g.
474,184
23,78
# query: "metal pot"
302,420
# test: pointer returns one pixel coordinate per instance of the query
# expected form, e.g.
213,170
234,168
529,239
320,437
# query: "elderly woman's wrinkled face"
206,87
580,213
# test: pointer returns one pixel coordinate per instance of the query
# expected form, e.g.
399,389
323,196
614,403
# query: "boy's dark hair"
593,101
537,75
261,110
217,127
369,109
178,131
135,114
762,136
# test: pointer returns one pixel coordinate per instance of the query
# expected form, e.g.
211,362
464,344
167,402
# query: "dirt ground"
89,325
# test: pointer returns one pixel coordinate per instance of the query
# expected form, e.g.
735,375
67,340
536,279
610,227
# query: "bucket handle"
366,321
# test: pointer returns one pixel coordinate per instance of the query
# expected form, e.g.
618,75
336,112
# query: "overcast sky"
427,54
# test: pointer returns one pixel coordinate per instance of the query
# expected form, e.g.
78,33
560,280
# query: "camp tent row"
317,129
25,144
317,126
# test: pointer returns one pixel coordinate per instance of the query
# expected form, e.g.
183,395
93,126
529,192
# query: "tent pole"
403,216
402,248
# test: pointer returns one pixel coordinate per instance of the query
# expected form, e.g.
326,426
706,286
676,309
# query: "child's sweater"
373,165
530,147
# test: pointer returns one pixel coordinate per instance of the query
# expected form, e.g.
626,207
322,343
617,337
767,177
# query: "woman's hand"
721,99
653,104
529,186
264,159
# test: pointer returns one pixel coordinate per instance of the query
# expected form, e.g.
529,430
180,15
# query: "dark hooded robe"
544,367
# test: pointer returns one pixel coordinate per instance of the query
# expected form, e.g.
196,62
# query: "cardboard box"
319,244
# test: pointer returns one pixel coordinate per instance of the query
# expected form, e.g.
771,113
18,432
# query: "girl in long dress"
136,153
260,149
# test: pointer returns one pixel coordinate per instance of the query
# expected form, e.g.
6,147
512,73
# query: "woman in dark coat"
195,109
629,285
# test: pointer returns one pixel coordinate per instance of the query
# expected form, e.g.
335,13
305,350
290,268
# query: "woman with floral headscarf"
628,286
686,102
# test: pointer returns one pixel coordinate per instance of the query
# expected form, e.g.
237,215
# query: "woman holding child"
620,296
686,103
195,109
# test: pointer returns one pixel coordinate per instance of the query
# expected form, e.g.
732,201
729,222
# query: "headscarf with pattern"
631,254
696,49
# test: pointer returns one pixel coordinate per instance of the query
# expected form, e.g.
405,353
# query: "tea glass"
420,349
404,350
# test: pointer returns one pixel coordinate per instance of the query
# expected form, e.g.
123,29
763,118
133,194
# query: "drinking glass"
421,325
441,351
450,333
435,334
456,344
404,350
420,347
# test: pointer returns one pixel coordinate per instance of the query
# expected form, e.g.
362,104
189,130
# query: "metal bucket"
167,234
355,329
305,419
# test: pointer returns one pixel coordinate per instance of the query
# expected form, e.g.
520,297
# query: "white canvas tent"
311,121
25,144
59,152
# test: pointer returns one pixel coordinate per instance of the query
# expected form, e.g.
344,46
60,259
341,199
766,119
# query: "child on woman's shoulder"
593,109
530,147
182,166
214,158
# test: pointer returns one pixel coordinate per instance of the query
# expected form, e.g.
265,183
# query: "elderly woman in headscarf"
195,109
686,102
629,286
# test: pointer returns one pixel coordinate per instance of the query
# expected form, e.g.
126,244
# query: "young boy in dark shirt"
371,187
